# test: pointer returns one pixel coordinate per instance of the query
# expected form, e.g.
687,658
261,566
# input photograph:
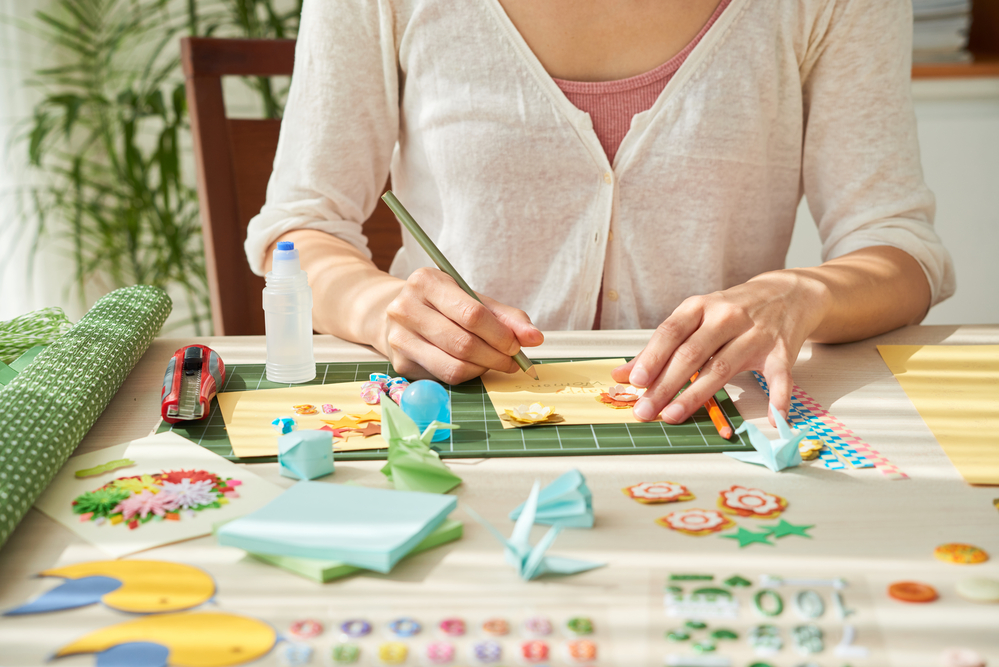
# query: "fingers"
517,320
623,373
649,364
688,357
416,358
777,371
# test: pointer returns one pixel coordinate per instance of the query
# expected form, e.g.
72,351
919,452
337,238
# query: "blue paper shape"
531,562
284,425
368,528
777,454
134,654
70,594
306,454
566,502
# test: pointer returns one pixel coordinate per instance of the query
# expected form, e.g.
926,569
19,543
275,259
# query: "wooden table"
868,529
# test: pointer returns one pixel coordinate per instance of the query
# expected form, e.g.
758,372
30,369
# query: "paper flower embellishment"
189,495
696,521
751,502
810,448
652,493
143,504
535,413
621,396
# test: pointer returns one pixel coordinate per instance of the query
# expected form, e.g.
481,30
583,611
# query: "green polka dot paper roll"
47,409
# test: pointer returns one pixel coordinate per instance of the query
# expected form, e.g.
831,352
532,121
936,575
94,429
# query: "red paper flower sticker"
177,476
651,493
751,502
696,521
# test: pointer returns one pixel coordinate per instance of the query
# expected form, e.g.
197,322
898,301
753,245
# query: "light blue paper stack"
566,502
368,528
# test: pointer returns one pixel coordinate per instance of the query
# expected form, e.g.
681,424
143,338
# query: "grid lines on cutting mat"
481,434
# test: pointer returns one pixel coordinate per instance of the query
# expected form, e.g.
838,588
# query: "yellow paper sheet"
955,388
570,387
248,416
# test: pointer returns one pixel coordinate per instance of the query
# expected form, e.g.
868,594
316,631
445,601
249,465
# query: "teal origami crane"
774,454
531,562
412,465
566,502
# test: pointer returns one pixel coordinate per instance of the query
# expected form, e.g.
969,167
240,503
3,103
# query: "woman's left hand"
759,325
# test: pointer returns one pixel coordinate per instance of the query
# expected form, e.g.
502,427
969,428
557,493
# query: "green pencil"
441,261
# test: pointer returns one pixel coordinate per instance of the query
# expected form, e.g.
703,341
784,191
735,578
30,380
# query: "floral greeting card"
162,489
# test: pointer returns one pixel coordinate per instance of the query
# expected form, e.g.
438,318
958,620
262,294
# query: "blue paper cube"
306,454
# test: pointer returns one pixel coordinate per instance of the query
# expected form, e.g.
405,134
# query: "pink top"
612,104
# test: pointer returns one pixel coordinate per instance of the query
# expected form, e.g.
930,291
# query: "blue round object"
424,401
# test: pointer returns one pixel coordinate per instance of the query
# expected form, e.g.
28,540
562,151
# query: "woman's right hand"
434,329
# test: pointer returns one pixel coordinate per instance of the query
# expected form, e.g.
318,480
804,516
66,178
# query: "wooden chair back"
234,159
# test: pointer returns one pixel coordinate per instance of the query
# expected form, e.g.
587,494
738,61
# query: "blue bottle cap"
286,245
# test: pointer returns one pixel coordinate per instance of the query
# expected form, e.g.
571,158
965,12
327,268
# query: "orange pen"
718,417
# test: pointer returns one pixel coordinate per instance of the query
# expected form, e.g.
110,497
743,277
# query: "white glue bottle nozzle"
286,260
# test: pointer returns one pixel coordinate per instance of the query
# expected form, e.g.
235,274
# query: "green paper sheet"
328,570
47,409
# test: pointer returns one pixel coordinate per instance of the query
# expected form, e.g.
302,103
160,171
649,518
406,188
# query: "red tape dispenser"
193,377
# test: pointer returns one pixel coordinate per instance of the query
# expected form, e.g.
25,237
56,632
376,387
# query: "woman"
629,167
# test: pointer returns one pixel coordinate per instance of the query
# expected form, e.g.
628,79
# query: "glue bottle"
288,319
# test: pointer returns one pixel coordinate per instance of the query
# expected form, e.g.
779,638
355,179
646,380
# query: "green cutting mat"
481,433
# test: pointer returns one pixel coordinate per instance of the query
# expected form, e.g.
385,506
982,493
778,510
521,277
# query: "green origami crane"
412,465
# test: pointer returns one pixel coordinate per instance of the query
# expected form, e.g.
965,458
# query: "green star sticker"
747,537
783,529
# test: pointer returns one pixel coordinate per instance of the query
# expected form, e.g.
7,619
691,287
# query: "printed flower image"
751,503
696,521
138,499
658,492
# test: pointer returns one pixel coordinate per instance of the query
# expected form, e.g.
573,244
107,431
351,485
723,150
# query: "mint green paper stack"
47,409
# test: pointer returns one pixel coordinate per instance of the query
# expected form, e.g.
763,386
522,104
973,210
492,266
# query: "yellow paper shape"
955,389
248,416
148,586
570,388
369,416
198,639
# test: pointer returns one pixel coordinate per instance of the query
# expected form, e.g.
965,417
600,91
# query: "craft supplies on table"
482,433
287,302
193,377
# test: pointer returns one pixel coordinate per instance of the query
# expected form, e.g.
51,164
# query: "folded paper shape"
535,413
531,562
368,528
412,465
306,454
327,570
776,454
566,502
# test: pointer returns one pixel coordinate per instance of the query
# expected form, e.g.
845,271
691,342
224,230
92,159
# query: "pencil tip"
533,373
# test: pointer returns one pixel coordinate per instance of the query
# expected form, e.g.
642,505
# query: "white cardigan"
781,98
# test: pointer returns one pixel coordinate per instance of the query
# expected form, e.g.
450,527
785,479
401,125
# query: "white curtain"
50,276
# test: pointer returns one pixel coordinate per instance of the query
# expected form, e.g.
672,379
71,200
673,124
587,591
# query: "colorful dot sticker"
405,627
345,654
538,626
960,554
580,650
580,625
496,627
452,627
305,629
487,652
355,628
439,653
534,651
393,653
